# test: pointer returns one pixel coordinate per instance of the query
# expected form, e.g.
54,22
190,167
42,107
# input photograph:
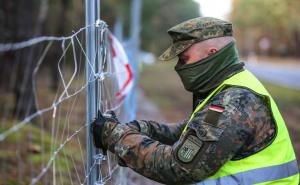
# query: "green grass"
28,144
23,134
26,150
283,94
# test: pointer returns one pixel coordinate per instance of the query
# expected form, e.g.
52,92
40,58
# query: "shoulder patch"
213,114
189,149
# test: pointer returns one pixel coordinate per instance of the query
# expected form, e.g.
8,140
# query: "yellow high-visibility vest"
275,164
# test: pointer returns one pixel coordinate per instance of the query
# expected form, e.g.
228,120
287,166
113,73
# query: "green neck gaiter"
196,76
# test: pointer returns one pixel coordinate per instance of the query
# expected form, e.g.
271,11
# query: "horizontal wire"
23,44
33,41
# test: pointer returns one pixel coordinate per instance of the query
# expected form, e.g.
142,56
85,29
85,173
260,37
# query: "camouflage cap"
194,30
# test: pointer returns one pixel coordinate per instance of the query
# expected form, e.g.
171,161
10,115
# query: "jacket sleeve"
199,153
162,132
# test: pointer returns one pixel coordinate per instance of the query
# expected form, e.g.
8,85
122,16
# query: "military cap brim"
175,49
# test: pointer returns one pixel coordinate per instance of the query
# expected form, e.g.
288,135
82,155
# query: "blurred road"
282,74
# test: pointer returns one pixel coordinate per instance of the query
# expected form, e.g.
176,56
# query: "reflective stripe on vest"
275,164
270,173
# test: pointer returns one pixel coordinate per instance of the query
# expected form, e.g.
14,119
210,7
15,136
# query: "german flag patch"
213,114
216,108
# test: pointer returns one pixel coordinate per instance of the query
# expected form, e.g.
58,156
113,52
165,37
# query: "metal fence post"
92,12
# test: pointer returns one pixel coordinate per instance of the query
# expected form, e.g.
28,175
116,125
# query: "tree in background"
276,20
24,19
20,21
157,17
160,15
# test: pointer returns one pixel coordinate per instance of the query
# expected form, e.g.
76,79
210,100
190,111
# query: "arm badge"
189,149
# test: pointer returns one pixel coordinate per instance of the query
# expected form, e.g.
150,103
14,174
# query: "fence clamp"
99,158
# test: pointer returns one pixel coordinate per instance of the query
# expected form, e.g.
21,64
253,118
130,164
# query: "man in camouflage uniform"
233,125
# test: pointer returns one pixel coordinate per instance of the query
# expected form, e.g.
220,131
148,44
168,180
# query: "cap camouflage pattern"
194,30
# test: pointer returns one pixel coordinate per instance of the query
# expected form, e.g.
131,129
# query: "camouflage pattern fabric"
161,153
194,30
164,133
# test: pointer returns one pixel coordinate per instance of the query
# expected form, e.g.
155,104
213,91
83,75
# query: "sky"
215,8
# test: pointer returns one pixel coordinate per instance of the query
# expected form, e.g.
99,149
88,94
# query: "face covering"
196,76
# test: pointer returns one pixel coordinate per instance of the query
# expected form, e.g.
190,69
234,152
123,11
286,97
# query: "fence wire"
47,146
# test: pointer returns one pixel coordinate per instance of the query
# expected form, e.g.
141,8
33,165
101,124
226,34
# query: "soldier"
235,136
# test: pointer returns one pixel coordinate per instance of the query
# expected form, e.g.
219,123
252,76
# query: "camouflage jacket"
162,153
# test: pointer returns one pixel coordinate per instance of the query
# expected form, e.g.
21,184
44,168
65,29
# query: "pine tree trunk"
22,20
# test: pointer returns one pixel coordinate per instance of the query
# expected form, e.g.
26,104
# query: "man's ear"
211,51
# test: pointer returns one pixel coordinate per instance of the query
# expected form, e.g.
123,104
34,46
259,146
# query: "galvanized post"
135,27
92,12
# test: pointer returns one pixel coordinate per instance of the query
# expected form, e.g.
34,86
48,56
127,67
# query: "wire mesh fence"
43,108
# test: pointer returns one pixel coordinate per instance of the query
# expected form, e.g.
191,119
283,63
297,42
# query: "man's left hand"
101,127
